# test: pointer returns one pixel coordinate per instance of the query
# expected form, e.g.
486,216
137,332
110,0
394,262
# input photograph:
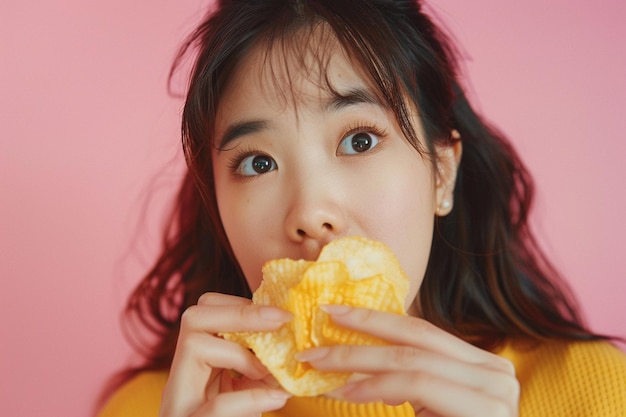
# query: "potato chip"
352,271
365,258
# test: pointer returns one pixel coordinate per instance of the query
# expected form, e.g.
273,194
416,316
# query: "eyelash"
241,153
245,151
363,127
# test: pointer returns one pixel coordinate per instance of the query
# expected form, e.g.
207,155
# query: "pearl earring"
444,207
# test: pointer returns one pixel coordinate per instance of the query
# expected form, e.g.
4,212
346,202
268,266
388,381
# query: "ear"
448,160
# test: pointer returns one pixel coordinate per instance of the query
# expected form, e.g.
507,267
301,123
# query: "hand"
437,373
202,381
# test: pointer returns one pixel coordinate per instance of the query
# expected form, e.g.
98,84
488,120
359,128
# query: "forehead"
299,70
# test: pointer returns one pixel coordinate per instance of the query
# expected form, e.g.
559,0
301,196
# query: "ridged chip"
353,271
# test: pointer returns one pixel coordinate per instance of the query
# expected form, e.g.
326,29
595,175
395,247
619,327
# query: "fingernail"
341,393
275,314
311,354
278,395
336,309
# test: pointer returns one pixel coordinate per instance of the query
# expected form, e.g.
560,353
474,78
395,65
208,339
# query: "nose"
316,213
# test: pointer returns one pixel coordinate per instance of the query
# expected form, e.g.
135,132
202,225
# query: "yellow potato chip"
364,258
374,292
353,271
278,276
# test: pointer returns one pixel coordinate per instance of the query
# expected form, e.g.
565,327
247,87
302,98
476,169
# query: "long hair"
487,279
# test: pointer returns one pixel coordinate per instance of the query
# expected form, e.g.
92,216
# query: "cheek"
241,238
235,212
411,230
402,216
249,225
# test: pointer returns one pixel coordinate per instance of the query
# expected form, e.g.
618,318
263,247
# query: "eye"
254,165
357,143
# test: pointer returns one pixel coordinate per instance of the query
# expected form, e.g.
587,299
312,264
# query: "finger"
243,403
233,318
193,374
216,298
437,395
387,359
413,331
199,353
426,413
230,382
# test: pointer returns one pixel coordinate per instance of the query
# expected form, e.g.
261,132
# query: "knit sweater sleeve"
572,379
558,379
139,397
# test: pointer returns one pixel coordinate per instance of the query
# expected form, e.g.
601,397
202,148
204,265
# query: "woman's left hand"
436,372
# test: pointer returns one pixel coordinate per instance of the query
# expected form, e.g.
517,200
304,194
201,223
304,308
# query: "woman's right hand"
201,381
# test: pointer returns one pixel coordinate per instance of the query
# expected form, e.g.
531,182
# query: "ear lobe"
448,160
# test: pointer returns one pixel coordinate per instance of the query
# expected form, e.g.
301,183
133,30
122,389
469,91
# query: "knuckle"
361,315
191,342
196,319
208,298
247,312
188,317
420,381
405,357
342,354
419,328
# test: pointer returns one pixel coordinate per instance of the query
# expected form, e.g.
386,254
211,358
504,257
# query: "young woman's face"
297,166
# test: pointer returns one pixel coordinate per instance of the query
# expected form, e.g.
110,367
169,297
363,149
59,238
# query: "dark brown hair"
487,279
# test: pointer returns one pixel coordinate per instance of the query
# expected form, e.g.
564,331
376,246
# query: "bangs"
294,54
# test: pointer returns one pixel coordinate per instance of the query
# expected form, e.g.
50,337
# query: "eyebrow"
351,97
240,129
339,101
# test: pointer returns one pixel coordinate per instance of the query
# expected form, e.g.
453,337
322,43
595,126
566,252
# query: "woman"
306,121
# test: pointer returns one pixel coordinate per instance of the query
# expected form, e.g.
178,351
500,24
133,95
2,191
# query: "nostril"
325,227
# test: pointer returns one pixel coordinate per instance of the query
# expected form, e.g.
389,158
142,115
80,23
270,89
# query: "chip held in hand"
352,271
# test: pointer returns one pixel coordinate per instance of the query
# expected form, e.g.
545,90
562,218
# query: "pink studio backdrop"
87,129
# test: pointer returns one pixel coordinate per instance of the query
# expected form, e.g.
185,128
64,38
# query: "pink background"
87,130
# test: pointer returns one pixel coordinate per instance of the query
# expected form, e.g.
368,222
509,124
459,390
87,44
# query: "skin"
286,185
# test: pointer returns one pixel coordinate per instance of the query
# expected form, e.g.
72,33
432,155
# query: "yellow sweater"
558,379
